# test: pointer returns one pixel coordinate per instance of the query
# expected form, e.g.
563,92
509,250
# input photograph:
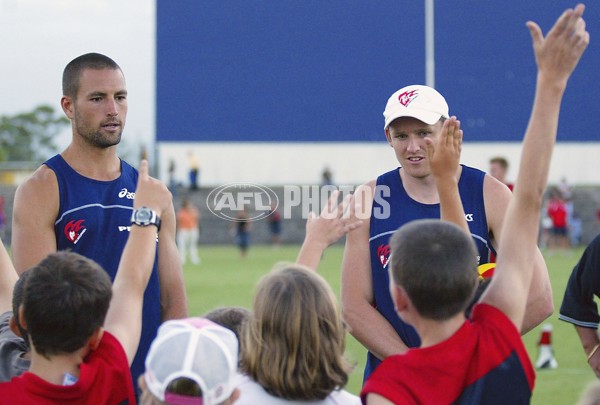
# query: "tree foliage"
29,136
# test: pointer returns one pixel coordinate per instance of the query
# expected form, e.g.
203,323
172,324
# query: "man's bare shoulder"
493,187
42,185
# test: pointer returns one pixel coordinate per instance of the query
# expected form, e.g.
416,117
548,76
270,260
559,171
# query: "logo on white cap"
406,97
421,102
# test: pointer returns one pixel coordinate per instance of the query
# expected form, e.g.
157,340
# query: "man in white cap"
413,114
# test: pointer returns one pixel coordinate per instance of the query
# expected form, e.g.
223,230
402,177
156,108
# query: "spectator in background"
565,189
499,170
172,182
326,177
575,230
240,229
566,193
557,211
194,171
545,228
188,228
274,221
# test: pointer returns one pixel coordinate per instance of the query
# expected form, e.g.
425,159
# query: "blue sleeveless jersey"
404,209
93,220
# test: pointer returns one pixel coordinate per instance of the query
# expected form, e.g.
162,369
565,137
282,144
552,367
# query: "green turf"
223,278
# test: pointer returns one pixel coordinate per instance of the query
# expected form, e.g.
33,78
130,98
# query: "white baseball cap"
421,102
197,349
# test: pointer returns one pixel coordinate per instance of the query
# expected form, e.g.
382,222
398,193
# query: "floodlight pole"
429,44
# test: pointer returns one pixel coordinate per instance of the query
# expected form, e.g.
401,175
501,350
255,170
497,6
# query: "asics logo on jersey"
383,253
74,230
469,217
124,193
406,97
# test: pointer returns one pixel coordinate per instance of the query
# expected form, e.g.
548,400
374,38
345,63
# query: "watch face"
143,215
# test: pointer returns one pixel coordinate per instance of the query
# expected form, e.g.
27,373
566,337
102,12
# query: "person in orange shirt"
188,221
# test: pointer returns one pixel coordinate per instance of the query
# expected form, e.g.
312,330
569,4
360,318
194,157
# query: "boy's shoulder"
482,358
104,378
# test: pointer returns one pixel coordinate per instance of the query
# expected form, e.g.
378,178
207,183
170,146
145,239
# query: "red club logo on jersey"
383,253
406,97
74,230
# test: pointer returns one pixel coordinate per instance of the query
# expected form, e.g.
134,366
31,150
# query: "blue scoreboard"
322,70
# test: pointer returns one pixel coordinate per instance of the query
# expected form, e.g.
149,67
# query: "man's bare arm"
8,278
540,304
591,346
34,211
170,272
366,324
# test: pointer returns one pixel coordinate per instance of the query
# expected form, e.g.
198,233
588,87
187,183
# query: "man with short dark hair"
81,199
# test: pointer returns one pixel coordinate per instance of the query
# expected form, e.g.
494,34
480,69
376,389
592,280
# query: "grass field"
225,279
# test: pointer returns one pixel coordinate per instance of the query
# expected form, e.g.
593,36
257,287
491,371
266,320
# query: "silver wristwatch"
144,216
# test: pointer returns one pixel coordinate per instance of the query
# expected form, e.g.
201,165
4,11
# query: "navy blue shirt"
401,209
94,220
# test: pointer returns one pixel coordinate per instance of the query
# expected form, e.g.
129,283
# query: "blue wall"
320,70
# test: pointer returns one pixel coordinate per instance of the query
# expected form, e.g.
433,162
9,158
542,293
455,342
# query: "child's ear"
12,323
21,316
399,297
95,339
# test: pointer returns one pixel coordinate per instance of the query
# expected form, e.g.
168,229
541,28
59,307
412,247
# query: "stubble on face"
100,107
94,135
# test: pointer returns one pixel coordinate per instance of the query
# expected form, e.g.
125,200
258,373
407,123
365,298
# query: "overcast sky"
39,37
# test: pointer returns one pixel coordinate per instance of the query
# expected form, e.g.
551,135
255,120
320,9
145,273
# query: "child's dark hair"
65,300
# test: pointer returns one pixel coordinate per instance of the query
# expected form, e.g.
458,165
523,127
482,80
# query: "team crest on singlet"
74,230
383,253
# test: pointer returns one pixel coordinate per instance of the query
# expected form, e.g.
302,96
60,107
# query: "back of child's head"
191,361
66,298
435,262
293,343
231,318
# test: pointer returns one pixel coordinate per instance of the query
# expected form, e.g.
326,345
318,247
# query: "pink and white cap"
421,102
197,349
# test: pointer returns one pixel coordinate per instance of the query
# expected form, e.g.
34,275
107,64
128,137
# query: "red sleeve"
387,381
